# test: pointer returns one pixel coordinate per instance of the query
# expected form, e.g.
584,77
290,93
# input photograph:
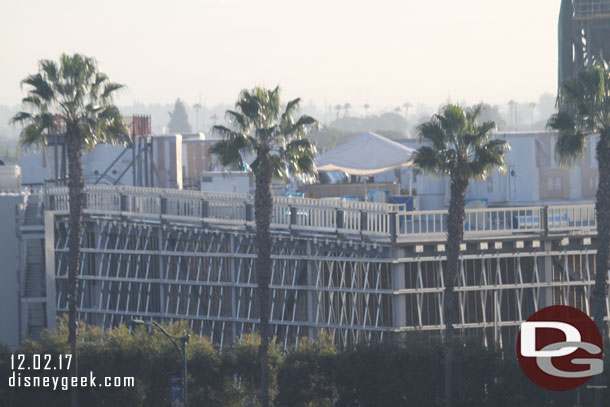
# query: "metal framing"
135,269
172,255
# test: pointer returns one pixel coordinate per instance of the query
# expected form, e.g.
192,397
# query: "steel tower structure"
584,34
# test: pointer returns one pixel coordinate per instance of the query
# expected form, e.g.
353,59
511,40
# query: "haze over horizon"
382,53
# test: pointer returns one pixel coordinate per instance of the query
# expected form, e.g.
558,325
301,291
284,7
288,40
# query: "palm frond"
32,134
239,119
570,146
39,87
50,70
296,130
21,117
298,156
487,158
110,126
287,119
433,133
229,152
110,89
278,167
259,125
584,102
428,160
458,146
75,94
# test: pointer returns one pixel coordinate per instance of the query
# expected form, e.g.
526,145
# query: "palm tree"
407,106
346,107
584,109
532,106
277,140
197,107
366,109
76,98
512,113
338,109
457,147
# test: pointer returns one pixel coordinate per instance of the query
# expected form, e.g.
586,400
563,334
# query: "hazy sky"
379,52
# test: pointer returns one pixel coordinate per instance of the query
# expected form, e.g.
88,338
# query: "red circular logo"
560,348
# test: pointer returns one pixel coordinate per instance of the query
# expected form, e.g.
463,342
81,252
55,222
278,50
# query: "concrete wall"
232,182
35,166
9,270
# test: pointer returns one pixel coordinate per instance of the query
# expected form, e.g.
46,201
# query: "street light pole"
181,349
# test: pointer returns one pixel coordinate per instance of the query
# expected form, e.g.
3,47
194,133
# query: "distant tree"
346,107
491,113
532,107
178,119
214,118
513,113
197,107
457,146
407,106
338,109
366,109
546,106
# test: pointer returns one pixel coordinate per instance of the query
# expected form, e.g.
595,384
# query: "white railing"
323,215
571,217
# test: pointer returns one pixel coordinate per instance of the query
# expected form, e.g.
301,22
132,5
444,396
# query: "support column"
161,265
49,258
233,283
399,302
546,276
310,296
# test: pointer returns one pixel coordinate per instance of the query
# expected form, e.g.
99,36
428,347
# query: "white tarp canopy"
368,154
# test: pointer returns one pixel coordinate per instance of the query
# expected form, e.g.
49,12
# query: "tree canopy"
259,123
73,93
458,146
178,119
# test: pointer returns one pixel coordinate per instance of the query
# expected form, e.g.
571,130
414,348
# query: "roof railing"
371,219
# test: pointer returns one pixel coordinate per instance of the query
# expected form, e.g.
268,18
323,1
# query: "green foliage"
178,119
584,109
260,125
458,146
72,96
491,113
312,374
306,377
392,375
243,362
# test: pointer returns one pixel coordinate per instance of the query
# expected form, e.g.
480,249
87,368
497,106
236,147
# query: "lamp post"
180,348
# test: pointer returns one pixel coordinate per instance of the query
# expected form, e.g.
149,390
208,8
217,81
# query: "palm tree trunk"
602,211
455,236
263,204
76,192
